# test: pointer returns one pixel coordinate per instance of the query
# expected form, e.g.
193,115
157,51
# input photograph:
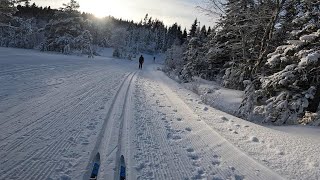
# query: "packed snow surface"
57,112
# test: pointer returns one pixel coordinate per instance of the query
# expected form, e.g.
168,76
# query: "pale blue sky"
169,11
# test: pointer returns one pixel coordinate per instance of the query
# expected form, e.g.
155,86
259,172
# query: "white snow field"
57,112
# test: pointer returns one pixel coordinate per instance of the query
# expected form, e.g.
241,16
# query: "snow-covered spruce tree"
14,32
7,8
241,32
84,43
292,87
25,33
194,61
67,30
150,36
119,41
174,60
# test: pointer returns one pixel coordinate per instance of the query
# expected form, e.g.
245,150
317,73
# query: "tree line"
67,30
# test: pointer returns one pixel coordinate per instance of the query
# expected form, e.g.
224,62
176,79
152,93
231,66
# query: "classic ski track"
102,134
123,120
208,131
49,150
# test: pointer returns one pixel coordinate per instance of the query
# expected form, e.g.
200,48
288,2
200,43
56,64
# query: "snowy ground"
211,93
57,112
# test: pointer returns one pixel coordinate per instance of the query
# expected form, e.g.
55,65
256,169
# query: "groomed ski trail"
56,119
110,138
170,141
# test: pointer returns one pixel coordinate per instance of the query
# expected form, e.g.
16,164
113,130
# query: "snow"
57,112
311,58
308,38
213,94
275,59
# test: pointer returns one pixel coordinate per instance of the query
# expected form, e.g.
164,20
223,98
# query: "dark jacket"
141,59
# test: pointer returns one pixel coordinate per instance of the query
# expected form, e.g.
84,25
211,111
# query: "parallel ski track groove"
106,120
122,119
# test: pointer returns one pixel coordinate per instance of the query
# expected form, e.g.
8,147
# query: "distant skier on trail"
141,61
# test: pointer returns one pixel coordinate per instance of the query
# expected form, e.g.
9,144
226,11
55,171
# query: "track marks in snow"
108,142
212,156
169,130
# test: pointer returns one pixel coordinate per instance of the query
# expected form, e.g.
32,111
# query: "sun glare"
100,8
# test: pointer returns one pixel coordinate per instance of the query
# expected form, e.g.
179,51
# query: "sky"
184,12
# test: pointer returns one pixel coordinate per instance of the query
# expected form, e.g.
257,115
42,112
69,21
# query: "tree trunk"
314,104
264,48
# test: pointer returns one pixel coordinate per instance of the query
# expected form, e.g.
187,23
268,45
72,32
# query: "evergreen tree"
193,30
292,86
66,29
7,8
203,32
184,35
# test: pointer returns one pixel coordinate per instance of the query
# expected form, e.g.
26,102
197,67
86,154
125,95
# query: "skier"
154,59
141,61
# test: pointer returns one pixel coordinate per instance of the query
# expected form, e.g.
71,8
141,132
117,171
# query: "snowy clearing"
57,112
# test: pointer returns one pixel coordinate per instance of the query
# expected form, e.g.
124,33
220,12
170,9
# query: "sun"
102,11
99,8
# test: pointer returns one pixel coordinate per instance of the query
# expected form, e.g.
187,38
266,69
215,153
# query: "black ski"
95,169
122,168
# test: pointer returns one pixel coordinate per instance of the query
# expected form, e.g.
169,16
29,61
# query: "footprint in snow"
279,152
190,150
224,118
216,162
199,174
91,127
193,156
173,136
65,177
254,139
140,166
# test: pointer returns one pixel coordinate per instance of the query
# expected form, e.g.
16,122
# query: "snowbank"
212,94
